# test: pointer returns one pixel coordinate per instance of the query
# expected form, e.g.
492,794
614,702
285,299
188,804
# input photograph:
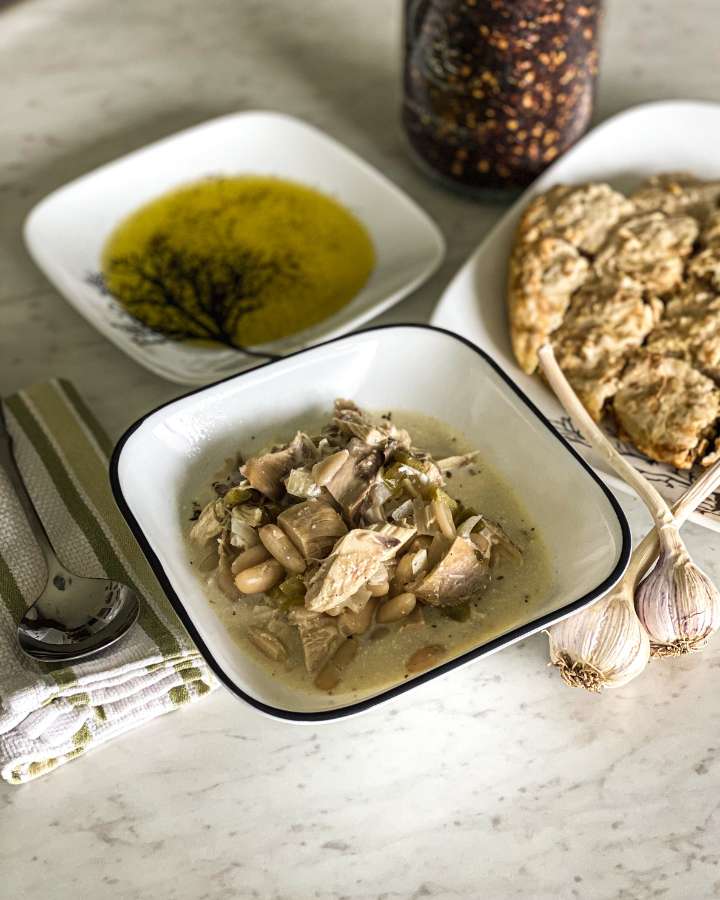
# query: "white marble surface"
494,782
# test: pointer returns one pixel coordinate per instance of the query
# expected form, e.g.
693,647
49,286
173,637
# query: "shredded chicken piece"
319,634
402,533
491,539
209,524
266,472
352,420
313,527
373,506
455,578
352,563
351,484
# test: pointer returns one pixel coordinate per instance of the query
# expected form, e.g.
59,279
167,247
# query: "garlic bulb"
603,646
677,603
607,644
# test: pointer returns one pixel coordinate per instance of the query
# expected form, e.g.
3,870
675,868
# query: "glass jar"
495,90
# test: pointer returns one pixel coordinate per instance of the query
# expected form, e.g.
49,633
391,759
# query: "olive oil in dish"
237,261
399,645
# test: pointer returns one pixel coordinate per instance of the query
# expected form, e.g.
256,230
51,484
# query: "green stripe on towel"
80,512
10,592
86,416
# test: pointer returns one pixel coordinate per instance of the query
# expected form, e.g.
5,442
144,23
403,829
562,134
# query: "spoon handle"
8,463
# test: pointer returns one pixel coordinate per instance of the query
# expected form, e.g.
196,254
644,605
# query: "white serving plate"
169,457
66,231
631,146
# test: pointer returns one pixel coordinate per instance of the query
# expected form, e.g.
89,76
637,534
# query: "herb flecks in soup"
237,261
352,559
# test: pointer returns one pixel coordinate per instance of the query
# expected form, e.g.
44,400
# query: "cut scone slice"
580,215
603,324
666,408
543,275
677,192
650,248
690,330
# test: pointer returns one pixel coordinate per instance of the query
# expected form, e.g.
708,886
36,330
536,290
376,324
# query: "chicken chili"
351,559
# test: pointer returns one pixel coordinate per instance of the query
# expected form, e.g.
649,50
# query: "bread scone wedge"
604,323
650,248
581,215
666,408
690,330
677,192
548,260
541,280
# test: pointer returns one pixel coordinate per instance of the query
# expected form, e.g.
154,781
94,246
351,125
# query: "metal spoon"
73,617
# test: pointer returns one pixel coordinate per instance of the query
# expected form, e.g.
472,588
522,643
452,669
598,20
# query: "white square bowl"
65,233
669,136
166,458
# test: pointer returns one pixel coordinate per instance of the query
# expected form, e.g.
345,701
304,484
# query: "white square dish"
65,232
648,139
162,462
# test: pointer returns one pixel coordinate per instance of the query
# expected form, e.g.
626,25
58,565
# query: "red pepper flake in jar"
484,80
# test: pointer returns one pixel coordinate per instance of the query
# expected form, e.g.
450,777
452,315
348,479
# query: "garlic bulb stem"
646,552
698,491
656,504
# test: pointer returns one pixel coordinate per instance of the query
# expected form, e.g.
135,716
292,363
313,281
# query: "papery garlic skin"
678,605
603,646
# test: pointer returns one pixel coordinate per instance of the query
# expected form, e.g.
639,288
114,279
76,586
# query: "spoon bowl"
74,617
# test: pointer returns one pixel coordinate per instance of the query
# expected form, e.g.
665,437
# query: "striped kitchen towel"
51,713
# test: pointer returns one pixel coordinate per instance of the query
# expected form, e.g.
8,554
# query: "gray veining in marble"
495,782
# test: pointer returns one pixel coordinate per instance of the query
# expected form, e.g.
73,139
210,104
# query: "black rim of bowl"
504,640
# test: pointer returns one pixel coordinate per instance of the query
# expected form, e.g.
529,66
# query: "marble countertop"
496,781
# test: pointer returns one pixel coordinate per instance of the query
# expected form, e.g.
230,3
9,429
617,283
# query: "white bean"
424,658
260,578
404,570
396,608
268,644
250,557
351,622
329,676
279,545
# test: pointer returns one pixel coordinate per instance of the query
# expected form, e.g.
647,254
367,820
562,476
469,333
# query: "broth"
384,650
